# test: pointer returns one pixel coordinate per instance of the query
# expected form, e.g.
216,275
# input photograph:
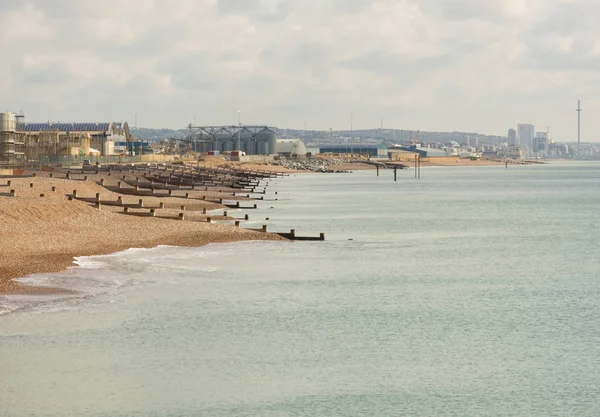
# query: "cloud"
419,64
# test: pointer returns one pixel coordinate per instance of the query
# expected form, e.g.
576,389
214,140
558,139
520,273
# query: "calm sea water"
473,291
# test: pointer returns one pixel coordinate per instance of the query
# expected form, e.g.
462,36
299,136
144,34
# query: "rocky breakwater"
314,165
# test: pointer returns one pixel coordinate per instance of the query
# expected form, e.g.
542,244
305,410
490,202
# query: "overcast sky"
465,65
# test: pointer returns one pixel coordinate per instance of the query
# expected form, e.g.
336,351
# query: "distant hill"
388,136
155,135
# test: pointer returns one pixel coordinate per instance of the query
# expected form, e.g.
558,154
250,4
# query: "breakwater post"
377,170
395,173
415,166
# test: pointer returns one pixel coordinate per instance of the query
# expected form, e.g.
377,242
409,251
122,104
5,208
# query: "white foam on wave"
107,275
39,280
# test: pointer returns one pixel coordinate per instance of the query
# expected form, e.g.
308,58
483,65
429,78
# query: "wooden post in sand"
161,205
141,202
246,217
377,172
209,220
54,188
237,223
322,236
97,197
395,174
181,216
75,193
264,228
30,185
293,233
225,213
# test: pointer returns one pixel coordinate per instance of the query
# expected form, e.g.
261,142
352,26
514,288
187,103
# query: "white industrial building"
291,148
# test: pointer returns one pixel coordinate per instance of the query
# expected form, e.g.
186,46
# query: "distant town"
23,142
521,142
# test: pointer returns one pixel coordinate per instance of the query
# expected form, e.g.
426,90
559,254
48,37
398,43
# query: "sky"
433,65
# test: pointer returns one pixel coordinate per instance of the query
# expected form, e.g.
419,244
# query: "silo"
263,147
8,122
250,147
272,149
267,141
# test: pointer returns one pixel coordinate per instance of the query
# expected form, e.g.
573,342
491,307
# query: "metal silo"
272,143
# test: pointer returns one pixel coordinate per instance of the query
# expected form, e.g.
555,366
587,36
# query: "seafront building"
526,135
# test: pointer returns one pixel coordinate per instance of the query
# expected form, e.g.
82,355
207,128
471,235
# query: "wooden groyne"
175,192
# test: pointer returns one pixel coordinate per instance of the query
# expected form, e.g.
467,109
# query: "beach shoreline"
43,229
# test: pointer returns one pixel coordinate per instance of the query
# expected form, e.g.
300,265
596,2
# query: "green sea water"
473,291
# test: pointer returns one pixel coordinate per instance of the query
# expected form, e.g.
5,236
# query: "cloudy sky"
465,65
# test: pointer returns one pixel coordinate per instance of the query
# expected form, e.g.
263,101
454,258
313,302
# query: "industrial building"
252,140
74,138
12,143
294,148
22,142
417,150
374,151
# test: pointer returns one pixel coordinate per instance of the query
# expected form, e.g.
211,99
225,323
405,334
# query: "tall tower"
578,127
526,134
512,137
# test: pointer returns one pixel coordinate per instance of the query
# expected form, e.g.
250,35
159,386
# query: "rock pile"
311,164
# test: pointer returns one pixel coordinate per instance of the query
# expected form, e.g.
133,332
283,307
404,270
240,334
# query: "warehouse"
293,148
374,151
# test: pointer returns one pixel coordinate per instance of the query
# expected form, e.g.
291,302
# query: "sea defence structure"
253,140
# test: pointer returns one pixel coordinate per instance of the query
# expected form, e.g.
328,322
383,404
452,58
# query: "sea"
472,291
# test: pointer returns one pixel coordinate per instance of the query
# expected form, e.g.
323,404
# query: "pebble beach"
42,230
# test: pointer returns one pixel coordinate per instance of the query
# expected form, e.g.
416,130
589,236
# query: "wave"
104,275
